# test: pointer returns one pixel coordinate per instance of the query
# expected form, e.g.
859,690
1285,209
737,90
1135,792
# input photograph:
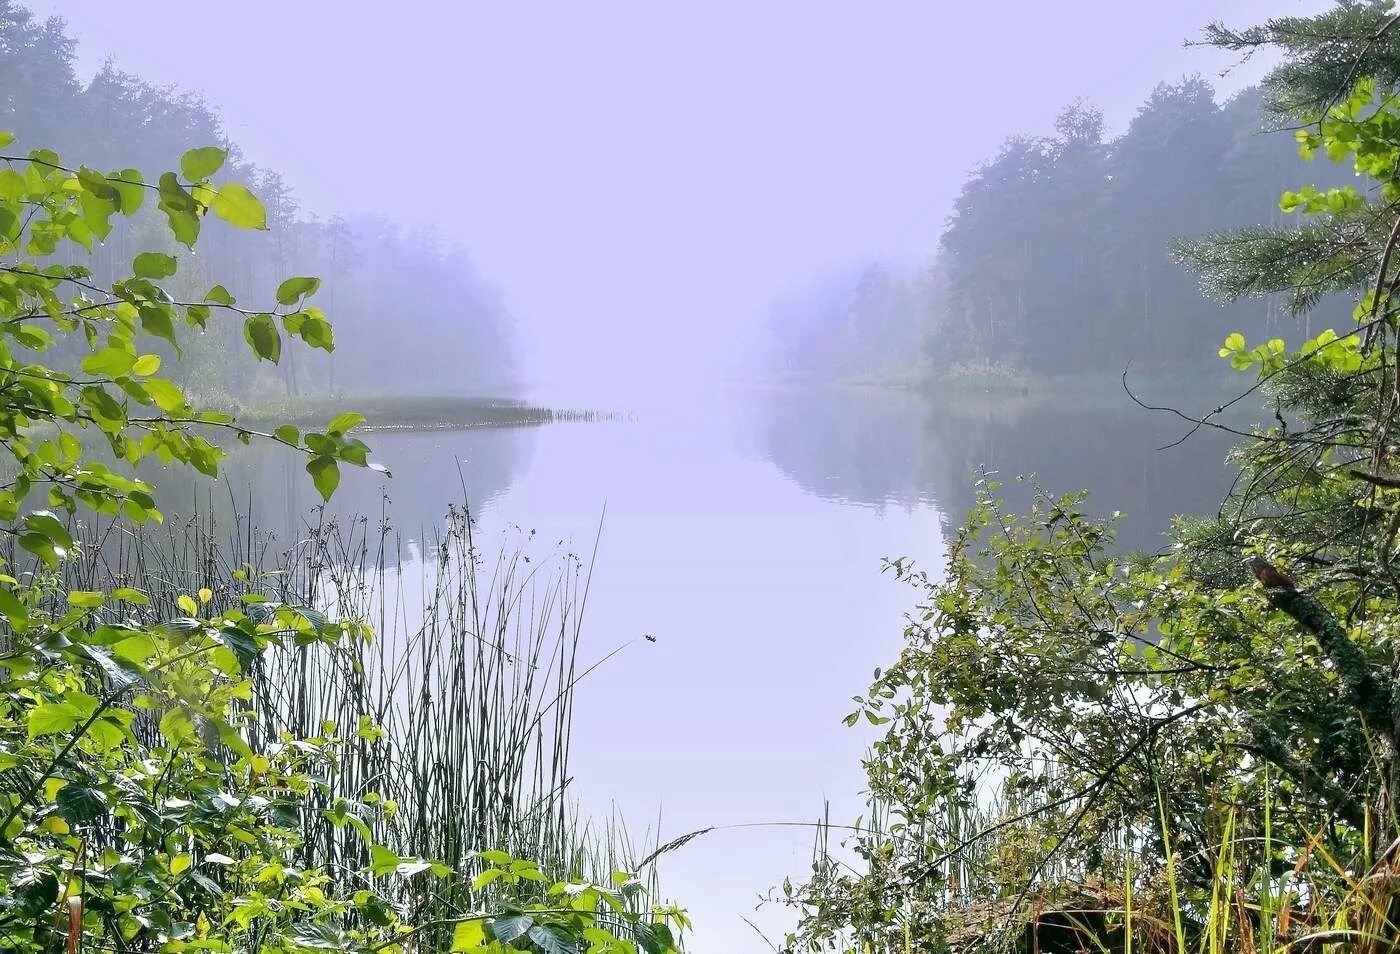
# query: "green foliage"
1200,746
43,302
144,806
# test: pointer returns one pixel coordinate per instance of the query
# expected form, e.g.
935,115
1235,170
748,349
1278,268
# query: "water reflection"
431,470
888,448
745,532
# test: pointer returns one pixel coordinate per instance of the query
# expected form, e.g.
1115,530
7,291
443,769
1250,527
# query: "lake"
744,530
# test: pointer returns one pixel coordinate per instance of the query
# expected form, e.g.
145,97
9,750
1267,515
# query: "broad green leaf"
130,189
176,726
127,594
262,335
382,861
344,422
287,434
294,289
239,207
96,183
550,942
51,718
166,394
510,927
78,804
199,164
325,475
219,295
110,362
154,265
86,599
47,523
487,877
468,935
146,365
180,209
157,320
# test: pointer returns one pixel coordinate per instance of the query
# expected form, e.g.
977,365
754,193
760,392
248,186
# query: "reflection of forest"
878,449
857,445
432,470
1107,445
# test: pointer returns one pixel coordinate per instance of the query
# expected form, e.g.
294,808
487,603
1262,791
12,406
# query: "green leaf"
47,524
468,935
177,727
325,475
78,804
382,861
486,878
180,209
52,718
166,394
111,362
97,213
294,289
288,435
199,164
219,295
130,189
154,265
262,335
510,927
157,321
6,138
549,942
654,938
239,207
86,599
145,365
14,611
96,183
344,422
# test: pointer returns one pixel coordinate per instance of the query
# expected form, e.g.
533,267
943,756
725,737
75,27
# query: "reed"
456,711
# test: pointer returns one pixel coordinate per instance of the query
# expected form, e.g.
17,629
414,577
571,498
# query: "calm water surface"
745,531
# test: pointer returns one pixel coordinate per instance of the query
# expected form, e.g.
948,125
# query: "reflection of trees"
877,448
856,445
1106,445
430,471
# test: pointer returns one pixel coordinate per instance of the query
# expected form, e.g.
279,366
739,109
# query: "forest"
1061,241
376,275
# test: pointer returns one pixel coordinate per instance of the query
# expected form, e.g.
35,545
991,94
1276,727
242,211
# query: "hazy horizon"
641,183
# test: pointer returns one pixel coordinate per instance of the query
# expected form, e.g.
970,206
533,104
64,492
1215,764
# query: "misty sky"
641,178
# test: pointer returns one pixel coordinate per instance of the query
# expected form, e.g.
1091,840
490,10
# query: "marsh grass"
456,712
1244,892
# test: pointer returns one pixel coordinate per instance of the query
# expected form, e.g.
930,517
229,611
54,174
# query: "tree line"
411,312
1061,253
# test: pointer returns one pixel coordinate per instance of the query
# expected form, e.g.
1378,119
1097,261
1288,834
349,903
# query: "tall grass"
457,713
980,884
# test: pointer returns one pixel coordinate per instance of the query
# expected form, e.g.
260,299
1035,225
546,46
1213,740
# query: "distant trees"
862,322
410,311
1058,254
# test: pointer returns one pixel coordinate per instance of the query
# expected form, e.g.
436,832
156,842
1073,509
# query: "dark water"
745,532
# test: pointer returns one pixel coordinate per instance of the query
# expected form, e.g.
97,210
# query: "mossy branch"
1368,691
